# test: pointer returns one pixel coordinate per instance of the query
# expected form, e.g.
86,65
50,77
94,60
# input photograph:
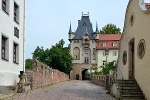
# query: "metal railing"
120,76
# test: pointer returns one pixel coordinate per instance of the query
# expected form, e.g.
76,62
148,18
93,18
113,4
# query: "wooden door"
132,60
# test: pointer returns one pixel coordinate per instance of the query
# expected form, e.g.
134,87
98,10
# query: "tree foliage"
28,63
57,56
107,67
110,29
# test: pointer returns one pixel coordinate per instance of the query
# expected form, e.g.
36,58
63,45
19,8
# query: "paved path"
70,90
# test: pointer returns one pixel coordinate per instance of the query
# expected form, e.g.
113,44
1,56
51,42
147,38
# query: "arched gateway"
83,47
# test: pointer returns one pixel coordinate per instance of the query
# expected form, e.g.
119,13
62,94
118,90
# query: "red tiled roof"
147,5
109,39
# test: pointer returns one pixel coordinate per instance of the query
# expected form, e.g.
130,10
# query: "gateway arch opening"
86,74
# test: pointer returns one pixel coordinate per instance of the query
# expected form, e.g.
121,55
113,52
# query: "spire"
70,30
97,31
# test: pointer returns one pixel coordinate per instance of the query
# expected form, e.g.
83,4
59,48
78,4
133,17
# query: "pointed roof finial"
97,31
70,30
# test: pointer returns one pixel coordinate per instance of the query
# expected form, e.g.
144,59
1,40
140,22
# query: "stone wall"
42,75
98,79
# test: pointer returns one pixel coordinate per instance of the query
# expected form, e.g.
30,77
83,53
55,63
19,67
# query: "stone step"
132,82
128,85
129,88
132,93
133,97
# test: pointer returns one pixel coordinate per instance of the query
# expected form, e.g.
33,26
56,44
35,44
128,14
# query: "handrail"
120,77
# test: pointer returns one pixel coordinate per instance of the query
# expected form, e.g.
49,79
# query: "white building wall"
102,58
9,70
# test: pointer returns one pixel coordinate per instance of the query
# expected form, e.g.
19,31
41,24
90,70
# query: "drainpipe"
24,38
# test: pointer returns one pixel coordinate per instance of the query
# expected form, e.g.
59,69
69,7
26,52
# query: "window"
114,44
76,53
77,41
5,5
104,44
114,53
15,53
141,48
94,53
16,32
4,48
74,41
104,53
104,62
114,64
92,41
16,13
132,20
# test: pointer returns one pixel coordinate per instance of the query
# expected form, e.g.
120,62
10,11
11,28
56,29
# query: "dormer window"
104,44
114,44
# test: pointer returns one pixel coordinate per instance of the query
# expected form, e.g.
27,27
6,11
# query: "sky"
48,21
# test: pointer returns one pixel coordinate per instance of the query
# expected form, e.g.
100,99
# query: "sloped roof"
109,39
84,25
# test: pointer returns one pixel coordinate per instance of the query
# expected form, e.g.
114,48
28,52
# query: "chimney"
78,22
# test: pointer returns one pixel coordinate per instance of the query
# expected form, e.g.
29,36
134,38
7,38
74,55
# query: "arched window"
114,44
76,53
104,44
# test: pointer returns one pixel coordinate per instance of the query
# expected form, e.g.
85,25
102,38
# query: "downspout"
24,38
24,17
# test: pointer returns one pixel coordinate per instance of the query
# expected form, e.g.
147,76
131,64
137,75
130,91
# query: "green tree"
110,29
28,63
106,68
57,56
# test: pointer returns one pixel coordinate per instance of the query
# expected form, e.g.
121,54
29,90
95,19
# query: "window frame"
104,62
104,54
104,44
16,12
4,4
114,53
15,53
114,44
3,47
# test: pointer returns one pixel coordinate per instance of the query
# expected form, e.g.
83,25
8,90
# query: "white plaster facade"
9,70
111,57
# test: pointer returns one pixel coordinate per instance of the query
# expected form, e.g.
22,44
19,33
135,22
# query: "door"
77,76
132,72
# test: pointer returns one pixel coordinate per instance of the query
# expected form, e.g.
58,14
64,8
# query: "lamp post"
106,54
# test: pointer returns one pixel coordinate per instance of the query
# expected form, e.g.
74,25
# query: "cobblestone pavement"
69,90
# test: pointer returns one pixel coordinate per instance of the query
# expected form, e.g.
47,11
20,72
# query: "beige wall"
139,30
80,46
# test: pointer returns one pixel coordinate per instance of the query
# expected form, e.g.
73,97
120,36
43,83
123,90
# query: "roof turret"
70,30
97,31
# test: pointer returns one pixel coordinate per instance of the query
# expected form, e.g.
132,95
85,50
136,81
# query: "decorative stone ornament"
124,57
141,48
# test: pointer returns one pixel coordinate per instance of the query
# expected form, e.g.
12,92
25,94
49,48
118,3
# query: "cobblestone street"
69,90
